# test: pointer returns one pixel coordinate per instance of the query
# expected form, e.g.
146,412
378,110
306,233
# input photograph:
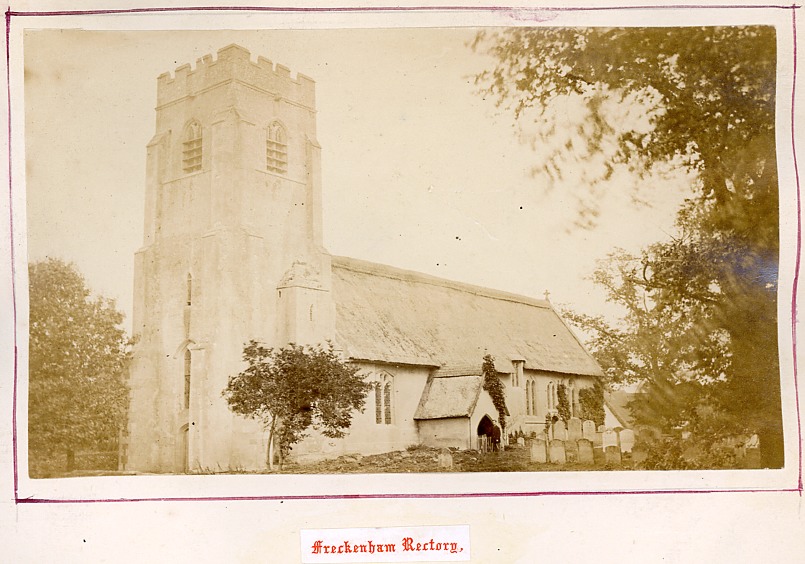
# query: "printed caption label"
387,544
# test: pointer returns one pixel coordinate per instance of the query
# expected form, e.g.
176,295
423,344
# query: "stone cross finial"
547,296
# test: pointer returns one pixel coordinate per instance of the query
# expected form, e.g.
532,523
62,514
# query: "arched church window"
187,360
191,148
276,149
383,398
387,402
378,404
533,397
528,396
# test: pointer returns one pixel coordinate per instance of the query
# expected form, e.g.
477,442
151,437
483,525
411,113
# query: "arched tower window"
191,148
276,149
187,360
189,289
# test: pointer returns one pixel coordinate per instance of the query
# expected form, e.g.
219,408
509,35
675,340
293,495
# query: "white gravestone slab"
609,438
588,430
627,440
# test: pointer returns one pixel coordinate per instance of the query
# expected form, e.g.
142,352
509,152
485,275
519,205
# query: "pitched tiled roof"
618,403
391,315
449,397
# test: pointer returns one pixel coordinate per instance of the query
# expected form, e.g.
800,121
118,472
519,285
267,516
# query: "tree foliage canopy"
294,388
701,307
708,94
562,403
78,355
591,403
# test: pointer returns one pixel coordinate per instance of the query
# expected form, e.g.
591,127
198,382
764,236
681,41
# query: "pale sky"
419,170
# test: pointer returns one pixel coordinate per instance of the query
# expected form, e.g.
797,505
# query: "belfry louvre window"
277,149
191,148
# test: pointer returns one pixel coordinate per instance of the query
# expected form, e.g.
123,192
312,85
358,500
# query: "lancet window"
383,391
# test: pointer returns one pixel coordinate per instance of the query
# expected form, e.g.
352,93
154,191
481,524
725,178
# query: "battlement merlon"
234,63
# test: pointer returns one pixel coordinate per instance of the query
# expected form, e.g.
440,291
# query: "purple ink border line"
507,9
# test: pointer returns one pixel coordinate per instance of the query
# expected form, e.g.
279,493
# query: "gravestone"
602,428
557,452
571,451
588,430
638,456
609,438
539,452
574,429
612,454
559,431
626,438
445,459
520,441
585,451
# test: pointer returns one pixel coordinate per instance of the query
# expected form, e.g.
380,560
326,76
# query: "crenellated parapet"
234,63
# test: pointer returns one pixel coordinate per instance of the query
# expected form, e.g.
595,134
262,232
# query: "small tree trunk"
70,460
271,446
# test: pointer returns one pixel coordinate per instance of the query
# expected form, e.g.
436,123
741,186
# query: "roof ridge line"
396,273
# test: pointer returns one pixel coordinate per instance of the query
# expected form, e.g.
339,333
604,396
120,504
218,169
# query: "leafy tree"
294,388
591,403
494,387
699,100
562,403
78,356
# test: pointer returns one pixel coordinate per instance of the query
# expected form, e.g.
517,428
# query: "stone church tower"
232,252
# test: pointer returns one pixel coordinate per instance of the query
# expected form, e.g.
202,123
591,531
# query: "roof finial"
547,296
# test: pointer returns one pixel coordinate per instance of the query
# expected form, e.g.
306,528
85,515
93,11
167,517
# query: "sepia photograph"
414,250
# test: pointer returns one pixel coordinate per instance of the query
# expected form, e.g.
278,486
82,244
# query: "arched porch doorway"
488,435
485,426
